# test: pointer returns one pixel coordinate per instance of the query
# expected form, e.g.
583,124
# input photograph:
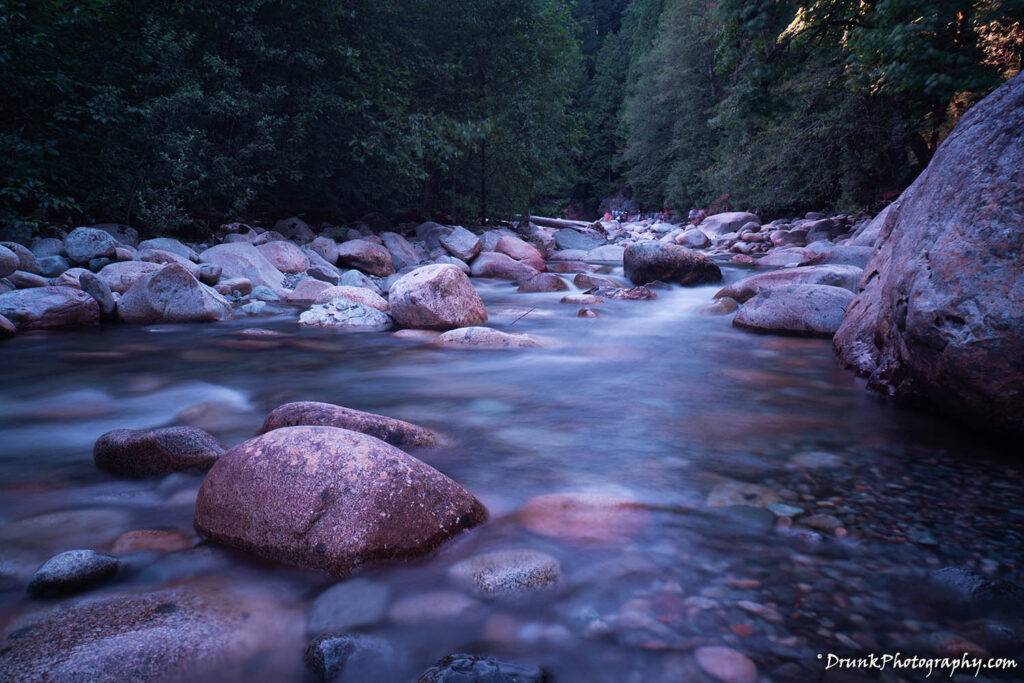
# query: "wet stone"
508,572
351,657
463,668
70,572
349,604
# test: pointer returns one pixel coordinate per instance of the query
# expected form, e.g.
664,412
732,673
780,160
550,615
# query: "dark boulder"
647,262
312,414
155,452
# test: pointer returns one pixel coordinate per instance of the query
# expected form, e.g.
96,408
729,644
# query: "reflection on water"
697,426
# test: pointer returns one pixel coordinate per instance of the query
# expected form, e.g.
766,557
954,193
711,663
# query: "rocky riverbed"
668,497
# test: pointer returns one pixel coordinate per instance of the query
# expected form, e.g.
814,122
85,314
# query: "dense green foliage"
177,116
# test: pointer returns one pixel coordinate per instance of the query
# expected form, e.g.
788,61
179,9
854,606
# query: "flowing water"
696,424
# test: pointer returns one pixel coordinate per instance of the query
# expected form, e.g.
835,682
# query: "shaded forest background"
177,116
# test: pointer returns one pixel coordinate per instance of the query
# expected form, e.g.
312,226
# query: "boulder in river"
358,295
342,314
139,453
940,320
306,291
172,294
459,242
173,634
803,310
652,261
8,261
485,338
169,244
731,221
365,256
398,433
331,499
544,282
403,253
120,276
84,244
42,308
243,260
438,297
492,264
285,256
843,276
71,571
100,291
520,250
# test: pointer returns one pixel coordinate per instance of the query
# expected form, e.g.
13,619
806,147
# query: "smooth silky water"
653,402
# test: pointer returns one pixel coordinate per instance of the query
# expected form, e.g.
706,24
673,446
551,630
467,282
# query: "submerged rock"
726,664
340,314
331,499
941,317
308,413
156,452
647,262
460,668
808,310
438,297
508,572
171,634
347,605
485,338
589,516
71,571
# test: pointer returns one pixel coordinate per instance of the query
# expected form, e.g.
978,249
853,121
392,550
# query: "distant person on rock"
607,216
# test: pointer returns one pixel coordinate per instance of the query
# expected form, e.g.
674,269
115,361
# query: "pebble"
70,572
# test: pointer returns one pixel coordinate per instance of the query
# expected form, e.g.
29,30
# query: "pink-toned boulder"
243,260
122,275
236,285
312,414
366,256
306,291
326,248
521,251
330,499
358,295
492,264
42,308
161,257
438,297
169,244
843,276
172,294
543,282
732,221
285,256
69,278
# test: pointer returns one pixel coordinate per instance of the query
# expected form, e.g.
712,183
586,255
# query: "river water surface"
697,424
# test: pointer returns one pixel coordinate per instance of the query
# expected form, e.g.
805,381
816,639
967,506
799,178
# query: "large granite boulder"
331,499
651,261
313,414
172,294
243,260
436,297
847,277
940,319
803,310
26,259
43,308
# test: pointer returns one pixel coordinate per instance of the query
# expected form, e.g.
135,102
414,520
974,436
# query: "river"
653,402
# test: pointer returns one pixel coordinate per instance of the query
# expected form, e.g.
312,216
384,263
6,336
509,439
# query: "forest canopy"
178,116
